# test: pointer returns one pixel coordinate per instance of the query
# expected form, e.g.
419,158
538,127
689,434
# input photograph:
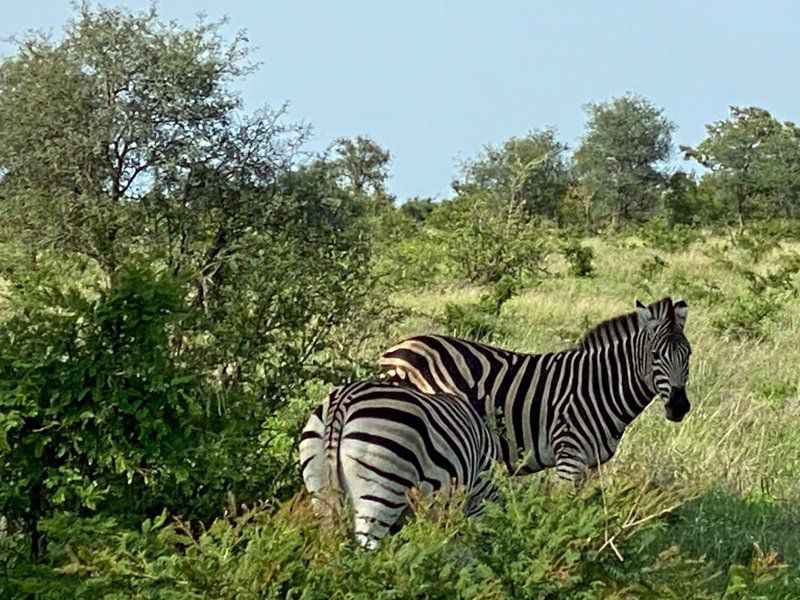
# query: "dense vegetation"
181,283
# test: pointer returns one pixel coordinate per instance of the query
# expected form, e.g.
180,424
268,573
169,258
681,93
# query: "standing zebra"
375,441
567,409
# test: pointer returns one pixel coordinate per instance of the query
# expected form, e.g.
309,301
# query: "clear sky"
434,81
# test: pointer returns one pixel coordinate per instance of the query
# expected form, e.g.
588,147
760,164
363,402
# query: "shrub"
651,268
479,320
661,236
486,242
96,405
749,313
579,258
543,541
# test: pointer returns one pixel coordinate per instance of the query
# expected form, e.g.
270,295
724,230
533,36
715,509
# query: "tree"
362,164
618,160
418,209
105,135
680,199
530,174
754,163
193,270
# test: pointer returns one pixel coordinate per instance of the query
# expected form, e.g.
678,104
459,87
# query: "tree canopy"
620,159
754,163
529,174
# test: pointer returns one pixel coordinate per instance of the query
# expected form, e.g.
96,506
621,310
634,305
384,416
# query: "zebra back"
443,364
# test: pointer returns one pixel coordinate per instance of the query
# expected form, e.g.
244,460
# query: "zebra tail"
331,492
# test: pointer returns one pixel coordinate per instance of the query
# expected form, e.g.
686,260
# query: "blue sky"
435,81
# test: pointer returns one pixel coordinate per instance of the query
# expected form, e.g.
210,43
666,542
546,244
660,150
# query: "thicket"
181,283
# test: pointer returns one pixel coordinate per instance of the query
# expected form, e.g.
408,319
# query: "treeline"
620,173
181,281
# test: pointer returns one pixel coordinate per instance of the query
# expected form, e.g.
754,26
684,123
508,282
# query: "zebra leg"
570,464
371,478
312,459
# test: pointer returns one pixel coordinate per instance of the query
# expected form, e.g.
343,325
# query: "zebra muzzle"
678,405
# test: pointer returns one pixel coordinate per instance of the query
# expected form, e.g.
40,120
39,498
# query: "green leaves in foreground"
543,540
95,405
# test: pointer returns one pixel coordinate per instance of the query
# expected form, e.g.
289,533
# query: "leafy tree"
362,165
529,174
680,199
618,160
147,163
147,155
754,163
124,107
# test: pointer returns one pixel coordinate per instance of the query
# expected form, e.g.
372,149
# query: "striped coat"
373,442
565,409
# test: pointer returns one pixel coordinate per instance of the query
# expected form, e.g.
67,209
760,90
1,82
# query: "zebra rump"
370,443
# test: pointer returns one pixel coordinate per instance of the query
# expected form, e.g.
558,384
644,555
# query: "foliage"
681,200
754,162
528,174
361,164
545,542
486,241
96,405
749,313
125,153
418,209
651,268
617,162
479,320
579,259
668,238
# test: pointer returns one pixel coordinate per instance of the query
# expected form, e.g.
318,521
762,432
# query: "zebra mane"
623,326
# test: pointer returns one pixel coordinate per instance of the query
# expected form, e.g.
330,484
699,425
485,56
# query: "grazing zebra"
375,441
567,409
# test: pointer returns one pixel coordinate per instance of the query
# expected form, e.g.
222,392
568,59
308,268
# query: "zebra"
566,409
375,441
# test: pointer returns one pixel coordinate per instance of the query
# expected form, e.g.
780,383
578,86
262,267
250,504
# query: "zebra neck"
628,392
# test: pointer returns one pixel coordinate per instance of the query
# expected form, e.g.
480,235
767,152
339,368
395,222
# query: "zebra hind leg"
377,502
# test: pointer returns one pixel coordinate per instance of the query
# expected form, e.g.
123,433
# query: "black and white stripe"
567,409
372,442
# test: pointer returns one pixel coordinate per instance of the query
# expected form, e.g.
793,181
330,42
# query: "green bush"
97,408
651,268
544,540
749,313
479,320
417,261
579,258
485,241
755,243
661,236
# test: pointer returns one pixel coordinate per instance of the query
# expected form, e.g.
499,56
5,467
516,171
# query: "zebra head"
667,355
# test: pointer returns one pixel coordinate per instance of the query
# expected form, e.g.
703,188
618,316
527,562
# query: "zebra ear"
680,313
644,314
